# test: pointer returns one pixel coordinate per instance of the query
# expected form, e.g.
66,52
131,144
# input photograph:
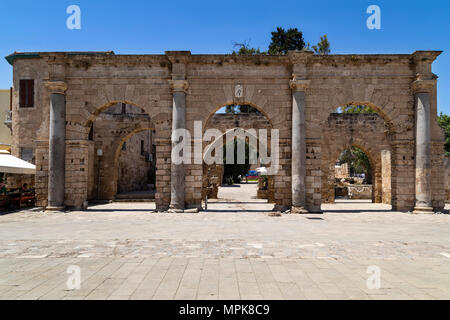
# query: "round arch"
218,107
118,149
374,157
93,115
361,146
220,141
380,111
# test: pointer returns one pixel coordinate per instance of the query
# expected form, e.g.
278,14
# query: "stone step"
134,200
135,196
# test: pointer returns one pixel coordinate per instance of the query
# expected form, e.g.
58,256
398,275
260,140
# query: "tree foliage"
234,170
283,41
244,108
444,122
246,50
323,46
286,40
357,161
351,108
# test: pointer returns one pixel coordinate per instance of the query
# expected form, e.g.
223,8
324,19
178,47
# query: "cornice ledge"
299,57
179,85
59,87
176,57
421,85
299,84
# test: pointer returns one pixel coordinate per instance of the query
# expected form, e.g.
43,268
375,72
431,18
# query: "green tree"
323,47
245,49
244,108
357,161
233,170
284,41
444,122
352,108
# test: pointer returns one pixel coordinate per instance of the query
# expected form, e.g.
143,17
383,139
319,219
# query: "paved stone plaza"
128,251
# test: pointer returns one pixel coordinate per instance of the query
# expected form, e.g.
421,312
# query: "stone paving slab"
127,251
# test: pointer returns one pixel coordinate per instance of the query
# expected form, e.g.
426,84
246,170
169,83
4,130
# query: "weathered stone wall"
365,131
111,129
212,180
97,81
266,188
342,171
386,172
360,191
226,122
17,180
447,177
133,166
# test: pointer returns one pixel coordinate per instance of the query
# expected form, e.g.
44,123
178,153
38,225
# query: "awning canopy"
11,164
262,170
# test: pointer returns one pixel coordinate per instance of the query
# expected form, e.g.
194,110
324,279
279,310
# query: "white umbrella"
262,170
11,164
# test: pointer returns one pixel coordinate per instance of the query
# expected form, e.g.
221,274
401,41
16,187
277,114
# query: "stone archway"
213,173
328,191
113,133
119,149
243,126
296,92
366,131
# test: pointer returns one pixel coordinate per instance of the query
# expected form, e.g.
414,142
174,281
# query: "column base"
280,207
418,210
302,210
298,210
315,211
54,209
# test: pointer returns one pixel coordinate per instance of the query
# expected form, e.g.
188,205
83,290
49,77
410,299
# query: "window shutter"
30,93
26,93
22,93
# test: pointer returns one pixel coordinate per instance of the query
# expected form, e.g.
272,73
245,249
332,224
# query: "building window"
26,93
142,148
124,146
27,154
124,108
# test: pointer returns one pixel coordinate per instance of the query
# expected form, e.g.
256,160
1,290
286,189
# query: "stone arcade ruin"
297,93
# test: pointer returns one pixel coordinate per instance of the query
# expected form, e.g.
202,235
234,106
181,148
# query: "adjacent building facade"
58,97
5,113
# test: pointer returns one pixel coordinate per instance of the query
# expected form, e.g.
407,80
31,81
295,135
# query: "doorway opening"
137,168
356,158
241,183
122,155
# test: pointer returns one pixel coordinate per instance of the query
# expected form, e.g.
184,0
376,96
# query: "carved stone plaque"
238,91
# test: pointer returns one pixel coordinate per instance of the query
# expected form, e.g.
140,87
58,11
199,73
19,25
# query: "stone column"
57,146
423,146
298,160
177,172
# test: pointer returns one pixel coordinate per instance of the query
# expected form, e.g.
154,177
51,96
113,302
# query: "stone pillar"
423,146
57,136
298,161
177,173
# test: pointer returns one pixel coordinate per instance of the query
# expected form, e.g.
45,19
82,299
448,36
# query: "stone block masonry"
296,93
447,178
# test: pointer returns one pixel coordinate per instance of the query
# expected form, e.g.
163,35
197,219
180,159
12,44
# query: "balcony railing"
8,118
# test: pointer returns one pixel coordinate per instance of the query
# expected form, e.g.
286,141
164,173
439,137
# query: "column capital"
299,85
420,85
179,85
59,87
299,57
